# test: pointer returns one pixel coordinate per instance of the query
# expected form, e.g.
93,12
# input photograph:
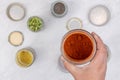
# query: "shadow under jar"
78,46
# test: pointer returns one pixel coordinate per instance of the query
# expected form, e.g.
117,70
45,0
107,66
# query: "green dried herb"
35,23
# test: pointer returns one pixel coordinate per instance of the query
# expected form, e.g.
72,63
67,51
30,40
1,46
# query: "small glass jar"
16,11
35,23
16,38
59,8
74,23
99,15
25,57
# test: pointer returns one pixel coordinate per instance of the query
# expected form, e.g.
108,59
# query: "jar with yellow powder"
25,57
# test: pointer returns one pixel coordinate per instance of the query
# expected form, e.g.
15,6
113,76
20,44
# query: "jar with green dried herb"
35,23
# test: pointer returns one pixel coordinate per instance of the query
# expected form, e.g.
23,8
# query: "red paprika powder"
78,46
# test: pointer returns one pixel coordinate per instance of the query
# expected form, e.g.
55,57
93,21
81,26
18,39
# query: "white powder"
99,15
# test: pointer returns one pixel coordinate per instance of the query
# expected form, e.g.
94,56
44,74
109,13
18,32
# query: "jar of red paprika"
78,46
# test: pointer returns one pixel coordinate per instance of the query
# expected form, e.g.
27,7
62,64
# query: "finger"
70,67
99,59
99,42
101,53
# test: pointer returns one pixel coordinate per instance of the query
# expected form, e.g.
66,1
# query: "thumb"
101,53
70,67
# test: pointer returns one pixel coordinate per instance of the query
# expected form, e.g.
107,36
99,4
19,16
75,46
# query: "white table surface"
47,42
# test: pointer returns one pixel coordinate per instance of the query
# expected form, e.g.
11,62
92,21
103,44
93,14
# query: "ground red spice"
78,46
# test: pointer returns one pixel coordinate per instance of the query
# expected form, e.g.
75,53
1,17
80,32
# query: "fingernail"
92,33
95,35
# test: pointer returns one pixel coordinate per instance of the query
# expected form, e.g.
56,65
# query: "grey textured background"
47,42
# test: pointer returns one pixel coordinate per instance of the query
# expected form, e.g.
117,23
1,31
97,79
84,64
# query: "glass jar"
78,46
25,57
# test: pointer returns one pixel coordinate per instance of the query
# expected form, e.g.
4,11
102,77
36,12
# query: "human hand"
96,70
